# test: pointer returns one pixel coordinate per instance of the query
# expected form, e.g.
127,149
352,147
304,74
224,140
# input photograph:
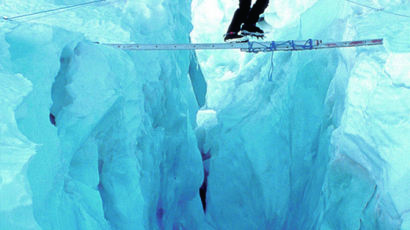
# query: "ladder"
252,46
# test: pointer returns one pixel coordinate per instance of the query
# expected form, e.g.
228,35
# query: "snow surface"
324,145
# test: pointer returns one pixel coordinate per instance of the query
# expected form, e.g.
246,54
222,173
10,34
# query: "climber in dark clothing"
248,17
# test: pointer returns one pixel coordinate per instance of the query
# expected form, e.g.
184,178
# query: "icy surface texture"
123,153
16,204
325,144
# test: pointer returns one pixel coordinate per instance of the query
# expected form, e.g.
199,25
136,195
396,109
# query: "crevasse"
324,145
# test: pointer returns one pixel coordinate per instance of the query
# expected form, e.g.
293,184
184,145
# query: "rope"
271,67
292,43
273,46
378,9
250,47
270,48
310,46
52,10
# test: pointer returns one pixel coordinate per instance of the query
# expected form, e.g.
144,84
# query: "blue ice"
202,140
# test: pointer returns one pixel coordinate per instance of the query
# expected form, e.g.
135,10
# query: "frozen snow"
324,145
123,154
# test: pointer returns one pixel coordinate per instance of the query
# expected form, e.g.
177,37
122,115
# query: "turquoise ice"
324,145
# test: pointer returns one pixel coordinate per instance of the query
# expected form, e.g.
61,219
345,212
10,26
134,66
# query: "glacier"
206,139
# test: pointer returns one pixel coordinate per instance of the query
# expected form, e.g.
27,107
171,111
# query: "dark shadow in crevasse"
204,186
59,94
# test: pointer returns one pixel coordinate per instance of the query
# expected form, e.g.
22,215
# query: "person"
245,19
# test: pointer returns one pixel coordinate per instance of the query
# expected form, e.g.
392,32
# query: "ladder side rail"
290,45
196,46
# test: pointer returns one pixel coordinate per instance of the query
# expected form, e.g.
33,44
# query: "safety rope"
273,46
271,67
378,9
250,47
308,45
53,10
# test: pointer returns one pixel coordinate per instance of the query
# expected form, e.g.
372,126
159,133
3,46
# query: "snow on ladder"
253,46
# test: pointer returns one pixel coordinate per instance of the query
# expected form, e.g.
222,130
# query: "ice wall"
16,205
123,153
325,144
